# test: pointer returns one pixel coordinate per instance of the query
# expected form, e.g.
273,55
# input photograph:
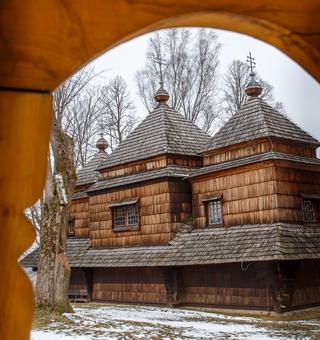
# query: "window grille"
125,217
309,211
215,212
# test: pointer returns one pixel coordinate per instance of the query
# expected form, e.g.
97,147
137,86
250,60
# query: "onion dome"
162,95
253,88
102,144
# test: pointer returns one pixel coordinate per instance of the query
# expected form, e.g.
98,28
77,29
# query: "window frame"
71,226
126,206
207,200
315,205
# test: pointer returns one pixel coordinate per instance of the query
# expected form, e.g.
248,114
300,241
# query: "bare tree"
53,270
234,83
119,112
188,63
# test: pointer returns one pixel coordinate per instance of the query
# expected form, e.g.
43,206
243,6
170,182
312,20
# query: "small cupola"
102,144
162,95
253,88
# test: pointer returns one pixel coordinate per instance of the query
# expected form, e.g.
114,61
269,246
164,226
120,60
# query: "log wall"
255,147
138,285
163,205
80,212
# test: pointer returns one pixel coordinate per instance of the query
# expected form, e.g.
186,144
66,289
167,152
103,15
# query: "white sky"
293,86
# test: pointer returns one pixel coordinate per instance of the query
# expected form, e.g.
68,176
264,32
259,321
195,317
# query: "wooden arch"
44,42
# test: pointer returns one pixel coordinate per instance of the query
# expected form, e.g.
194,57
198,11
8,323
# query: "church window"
125,215
213,205
309,211
215,212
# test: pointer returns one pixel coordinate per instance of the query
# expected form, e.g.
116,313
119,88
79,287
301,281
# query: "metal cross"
160,62
101,127
251,62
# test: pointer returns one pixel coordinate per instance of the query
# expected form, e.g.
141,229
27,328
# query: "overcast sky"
293,86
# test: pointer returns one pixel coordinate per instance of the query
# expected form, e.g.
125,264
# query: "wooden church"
176,217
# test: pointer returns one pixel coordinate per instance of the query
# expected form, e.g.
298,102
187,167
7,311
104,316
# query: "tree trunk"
52,285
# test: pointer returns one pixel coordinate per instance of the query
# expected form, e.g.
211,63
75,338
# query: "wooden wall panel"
80,212
151,164
78,284
228,285
249,197
163,207
139,285
255,147
290,183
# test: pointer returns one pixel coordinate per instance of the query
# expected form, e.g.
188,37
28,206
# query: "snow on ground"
99,322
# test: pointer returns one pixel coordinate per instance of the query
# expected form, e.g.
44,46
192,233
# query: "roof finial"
253,89
161,96
101,144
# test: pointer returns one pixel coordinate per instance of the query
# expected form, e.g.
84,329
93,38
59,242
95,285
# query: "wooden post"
25,121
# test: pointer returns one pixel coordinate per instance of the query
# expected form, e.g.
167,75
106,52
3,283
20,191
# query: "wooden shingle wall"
151,164
139,285
248,195
290,183
163,206
267,192
255,147
80,212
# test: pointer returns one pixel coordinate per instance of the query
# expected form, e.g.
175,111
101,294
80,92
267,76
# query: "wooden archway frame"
44,42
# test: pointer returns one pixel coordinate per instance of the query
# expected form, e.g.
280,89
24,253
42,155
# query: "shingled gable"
256,119
163,131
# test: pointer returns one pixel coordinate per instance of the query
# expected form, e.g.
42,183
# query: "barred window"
309,210
125,217
215,212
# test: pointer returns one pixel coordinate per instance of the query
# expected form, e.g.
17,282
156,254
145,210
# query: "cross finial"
159,60
101,128
251,62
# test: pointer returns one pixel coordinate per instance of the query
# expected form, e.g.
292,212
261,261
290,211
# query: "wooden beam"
25,120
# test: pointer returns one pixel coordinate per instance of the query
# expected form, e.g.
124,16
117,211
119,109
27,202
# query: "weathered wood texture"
139,285
255,147
249,197
151,164
78,284
290,183
38,55
229,285
262,193
24,138
163,206
80,212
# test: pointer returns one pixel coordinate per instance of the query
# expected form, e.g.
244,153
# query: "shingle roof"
112,182
254,159
163,131
88,173
261,242
76,247
256,119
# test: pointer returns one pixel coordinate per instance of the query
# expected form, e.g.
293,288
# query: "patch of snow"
139,322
